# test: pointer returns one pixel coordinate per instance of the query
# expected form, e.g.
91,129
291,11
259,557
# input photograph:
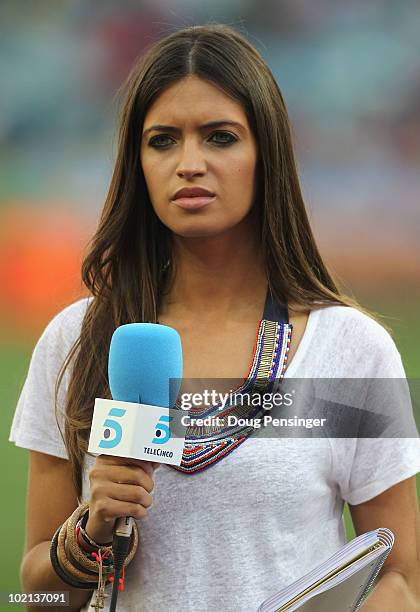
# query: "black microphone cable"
120,548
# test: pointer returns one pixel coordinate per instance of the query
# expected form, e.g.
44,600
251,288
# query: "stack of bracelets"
80,561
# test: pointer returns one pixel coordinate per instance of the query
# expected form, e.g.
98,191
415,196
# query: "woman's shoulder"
73,312
64,328
351,319
332,317
348,331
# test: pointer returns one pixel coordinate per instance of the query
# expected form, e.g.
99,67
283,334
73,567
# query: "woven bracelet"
66,563
82,531
83,559
72,564
79,567
61,573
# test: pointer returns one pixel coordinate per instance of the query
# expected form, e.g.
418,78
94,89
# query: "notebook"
339,584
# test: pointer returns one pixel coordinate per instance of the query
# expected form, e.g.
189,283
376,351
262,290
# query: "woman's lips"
193,203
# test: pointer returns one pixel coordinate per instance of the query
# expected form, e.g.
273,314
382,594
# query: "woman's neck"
216,275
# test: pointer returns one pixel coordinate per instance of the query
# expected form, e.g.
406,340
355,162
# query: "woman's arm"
51,499
398,586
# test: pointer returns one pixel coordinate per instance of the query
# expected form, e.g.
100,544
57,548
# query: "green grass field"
14,360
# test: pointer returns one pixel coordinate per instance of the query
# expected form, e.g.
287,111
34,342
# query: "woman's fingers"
108,509
118,487
128,474
131,493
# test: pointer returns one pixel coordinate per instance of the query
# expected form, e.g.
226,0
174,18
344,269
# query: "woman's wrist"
100,533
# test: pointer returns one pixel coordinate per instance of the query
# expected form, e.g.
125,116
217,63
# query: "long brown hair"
126,268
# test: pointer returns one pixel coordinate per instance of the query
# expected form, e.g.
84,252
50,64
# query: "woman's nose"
191,161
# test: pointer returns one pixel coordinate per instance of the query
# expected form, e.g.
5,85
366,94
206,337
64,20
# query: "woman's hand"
119,487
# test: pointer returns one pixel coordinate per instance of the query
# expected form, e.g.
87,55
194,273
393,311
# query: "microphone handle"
124,526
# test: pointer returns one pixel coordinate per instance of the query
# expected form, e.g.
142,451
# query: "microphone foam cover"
145,364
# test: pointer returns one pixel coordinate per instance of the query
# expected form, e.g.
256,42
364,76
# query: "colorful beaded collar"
206,444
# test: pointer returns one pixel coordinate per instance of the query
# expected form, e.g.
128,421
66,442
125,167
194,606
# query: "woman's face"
196,136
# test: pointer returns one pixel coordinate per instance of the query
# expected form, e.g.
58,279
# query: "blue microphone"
144,367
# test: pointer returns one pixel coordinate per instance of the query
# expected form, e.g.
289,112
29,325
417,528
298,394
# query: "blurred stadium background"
350,75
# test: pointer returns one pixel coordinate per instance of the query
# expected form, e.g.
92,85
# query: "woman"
204,229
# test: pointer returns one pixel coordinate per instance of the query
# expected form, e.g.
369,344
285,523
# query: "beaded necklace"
206,444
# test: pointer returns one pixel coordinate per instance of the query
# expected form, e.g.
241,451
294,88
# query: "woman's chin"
197,232
199,229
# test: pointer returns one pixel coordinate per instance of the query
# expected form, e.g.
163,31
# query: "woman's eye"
226,138
156,141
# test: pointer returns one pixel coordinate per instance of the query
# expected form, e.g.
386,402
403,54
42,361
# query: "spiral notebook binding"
388,537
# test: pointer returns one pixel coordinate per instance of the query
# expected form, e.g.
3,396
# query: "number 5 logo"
161,425
112,426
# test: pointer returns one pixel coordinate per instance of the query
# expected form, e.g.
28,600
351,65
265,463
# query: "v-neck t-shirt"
232,535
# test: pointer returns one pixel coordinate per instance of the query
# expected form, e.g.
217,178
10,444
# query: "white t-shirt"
228,537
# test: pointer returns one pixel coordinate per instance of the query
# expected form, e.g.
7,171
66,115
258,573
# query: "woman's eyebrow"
210,124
